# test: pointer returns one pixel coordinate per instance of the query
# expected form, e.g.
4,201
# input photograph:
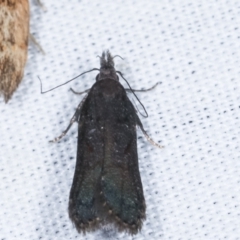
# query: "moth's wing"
107,185
121,183
82,209
14,32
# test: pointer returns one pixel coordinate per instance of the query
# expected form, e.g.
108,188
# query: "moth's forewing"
82,210
121,183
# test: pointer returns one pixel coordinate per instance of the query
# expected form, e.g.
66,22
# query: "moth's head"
107,70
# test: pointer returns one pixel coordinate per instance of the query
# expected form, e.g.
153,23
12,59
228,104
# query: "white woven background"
192,187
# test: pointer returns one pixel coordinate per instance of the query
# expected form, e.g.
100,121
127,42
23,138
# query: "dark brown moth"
107,187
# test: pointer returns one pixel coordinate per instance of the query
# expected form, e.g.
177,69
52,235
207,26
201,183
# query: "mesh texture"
192,47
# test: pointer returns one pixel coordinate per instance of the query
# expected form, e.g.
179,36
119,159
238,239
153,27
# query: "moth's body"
14,32
107,187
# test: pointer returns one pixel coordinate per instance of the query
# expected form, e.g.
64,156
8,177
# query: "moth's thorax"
108,88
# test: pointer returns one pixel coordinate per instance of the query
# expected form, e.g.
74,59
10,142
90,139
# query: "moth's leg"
79,93
146,135
33,39
41,5
150,139
73,119
143,90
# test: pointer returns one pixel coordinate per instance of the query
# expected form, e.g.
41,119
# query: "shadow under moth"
14,33
107,187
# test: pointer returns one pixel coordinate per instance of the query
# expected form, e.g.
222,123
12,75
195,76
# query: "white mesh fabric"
192,47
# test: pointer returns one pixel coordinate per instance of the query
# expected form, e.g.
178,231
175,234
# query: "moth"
107,186
14,33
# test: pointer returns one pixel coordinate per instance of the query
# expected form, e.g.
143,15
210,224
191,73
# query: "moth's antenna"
117,56
137,109
133,93
94,69
113,57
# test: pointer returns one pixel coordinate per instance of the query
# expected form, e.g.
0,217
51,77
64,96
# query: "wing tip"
89,225
86,225
82,225
132,227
